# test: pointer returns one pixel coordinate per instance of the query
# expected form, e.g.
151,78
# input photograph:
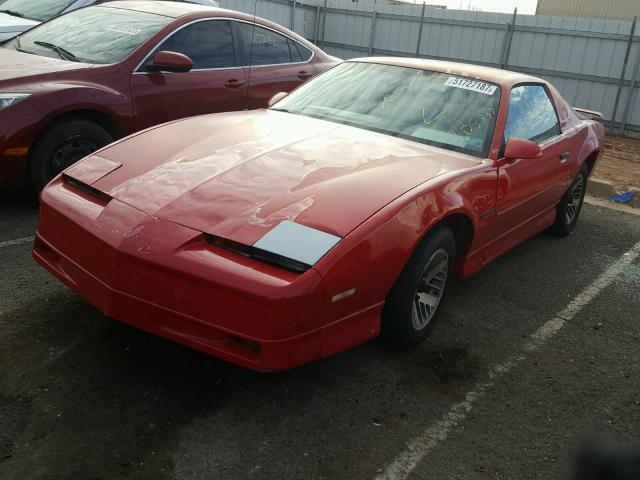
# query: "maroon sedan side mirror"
166,61
520,148
277,97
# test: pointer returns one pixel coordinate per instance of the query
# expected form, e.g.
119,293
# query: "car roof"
168,9
504,78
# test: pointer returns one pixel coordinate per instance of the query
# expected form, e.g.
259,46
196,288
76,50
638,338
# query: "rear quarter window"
263,46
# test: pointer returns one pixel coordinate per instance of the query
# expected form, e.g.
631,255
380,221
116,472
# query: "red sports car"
81,80
275,237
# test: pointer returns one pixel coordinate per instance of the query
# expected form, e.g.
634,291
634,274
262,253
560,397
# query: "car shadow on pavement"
88,380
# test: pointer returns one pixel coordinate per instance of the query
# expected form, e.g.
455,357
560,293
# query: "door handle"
564,156
303,75
233,83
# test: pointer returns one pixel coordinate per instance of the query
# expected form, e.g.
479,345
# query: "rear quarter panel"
586,135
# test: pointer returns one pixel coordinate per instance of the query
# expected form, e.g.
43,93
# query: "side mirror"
166,61
277,97
520,148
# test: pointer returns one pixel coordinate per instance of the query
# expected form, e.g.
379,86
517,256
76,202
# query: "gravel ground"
84,397
620,163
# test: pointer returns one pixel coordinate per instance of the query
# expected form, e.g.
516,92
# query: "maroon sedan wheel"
62,145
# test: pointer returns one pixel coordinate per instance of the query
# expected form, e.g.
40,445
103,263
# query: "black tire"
63,144
398,316
568,210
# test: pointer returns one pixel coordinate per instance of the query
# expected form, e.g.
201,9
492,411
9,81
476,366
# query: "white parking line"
17,241
421,446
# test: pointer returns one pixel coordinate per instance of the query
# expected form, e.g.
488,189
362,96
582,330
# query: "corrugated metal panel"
583,57
590,8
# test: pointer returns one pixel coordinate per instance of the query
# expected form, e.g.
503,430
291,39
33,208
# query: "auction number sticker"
126,29
473,85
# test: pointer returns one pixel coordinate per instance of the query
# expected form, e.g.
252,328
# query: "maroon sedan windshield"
93,35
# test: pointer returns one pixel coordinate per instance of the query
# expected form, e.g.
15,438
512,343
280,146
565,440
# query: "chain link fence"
595,63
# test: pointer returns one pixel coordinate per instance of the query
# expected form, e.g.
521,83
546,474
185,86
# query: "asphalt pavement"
534,354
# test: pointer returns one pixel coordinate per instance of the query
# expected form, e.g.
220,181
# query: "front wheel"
568,210
62,145
416,299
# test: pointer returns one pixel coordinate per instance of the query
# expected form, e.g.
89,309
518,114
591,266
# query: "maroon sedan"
80,81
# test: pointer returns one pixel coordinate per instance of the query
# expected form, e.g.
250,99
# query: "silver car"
17,16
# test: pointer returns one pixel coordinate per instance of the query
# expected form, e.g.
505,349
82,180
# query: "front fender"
371,257
55,99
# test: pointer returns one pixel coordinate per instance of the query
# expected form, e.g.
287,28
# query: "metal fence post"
508,39
372,32
622,75
324,22
420,30
292,21
317,26
627,107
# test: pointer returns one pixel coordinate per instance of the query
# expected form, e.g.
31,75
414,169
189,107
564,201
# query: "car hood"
9,23
237,175
16,65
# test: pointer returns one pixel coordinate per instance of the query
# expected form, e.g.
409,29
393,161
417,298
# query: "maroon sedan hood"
16,65
237,175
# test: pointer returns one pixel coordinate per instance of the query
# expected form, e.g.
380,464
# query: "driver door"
528,188
215,84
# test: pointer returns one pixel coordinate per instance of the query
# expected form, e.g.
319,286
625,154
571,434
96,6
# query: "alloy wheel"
430,289
575,199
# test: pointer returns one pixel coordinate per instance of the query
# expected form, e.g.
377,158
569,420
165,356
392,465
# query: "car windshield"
40,10
440,109
92,35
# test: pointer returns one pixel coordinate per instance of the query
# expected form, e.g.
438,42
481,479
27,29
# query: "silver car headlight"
289,245
9,99
297,242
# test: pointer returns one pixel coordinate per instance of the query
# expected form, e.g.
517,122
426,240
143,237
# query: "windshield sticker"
126,29
473,85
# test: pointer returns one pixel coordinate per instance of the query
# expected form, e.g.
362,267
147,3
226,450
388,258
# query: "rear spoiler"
588,114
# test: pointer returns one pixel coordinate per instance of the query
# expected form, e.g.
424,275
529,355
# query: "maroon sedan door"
278,63
217,82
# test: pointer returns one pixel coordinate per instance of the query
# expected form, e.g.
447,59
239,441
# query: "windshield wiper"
13,13
64,54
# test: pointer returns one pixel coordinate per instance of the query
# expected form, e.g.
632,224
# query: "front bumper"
166,279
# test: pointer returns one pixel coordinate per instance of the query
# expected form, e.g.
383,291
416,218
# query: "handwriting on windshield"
468,127
425,117
390,98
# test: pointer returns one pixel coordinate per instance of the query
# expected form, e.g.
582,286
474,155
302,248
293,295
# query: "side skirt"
481,257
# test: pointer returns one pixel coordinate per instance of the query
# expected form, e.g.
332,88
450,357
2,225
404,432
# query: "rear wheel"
416,299
62,145
569,208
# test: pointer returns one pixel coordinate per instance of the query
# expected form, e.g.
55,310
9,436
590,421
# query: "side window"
295,53
209,44
267,48
531,114
298,52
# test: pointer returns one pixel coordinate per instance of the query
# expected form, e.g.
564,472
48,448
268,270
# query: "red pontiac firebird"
276,237
79,81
